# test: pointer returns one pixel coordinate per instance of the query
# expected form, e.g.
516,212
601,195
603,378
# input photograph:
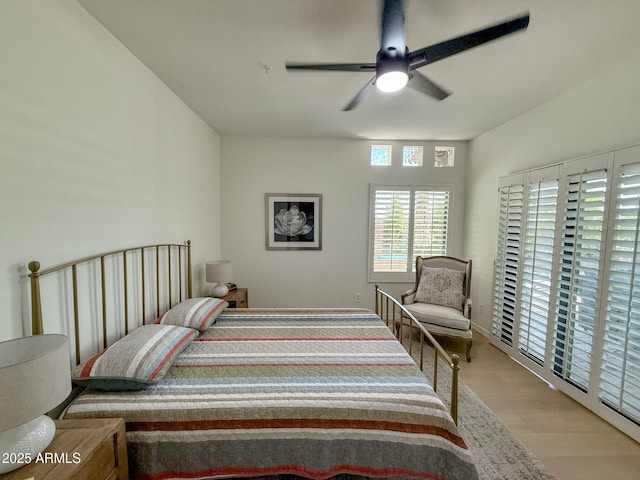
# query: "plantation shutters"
620,369
406,222
392,210
567,280
577,291
430,223
537,262
505,289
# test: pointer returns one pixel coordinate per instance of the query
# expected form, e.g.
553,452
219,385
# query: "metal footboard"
394,314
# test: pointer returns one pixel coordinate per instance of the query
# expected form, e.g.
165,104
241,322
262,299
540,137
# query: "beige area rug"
497,453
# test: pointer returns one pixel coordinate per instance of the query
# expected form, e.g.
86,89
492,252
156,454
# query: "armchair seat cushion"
439,315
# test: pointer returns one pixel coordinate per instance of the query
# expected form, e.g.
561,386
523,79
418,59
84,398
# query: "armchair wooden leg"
469,343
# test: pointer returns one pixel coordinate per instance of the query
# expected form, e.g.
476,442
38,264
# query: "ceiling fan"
396,66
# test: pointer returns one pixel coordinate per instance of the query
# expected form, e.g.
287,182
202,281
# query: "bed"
314,393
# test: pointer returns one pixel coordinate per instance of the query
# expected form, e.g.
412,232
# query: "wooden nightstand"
92,449
238,298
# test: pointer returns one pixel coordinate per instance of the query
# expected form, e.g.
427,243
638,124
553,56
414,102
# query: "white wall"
341,171
95,152
600,115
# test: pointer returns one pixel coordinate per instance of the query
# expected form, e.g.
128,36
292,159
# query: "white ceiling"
225,59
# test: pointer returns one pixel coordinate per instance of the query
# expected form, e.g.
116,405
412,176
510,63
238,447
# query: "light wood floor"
568,439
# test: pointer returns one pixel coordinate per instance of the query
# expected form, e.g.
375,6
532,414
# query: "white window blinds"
577,291
406,222
537,265
392,214
430,223
505,288
620,370
567,280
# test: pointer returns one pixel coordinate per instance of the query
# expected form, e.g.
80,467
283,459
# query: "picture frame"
293,221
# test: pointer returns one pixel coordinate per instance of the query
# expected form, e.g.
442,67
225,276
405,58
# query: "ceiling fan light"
392,81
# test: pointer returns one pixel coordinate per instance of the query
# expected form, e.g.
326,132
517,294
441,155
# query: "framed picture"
293,221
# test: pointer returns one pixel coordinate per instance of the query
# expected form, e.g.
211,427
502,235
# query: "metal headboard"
168,259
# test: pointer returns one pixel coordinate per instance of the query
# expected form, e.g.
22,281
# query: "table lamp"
34,379
219,272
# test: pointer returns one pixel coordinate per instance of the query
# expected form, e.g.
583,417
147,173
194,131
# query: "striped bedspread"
314,392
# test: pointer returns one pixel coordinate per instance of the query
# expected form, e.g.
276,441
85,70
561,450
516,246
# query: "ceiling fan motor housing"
392,72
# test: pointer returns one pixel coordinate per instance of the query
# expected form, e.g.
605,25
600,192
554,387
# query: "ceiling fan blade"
364,91
392,28
425,56
340,67
422,84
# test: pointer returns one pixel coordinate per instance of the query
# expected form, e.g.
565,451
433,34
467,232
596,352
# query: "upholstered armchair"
440,299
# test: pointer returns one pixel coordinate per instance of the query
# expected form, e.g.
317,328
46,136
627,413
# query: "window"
380,154
578,275
567,280
619,377
505,288
444,156
406,222
537,262
412,156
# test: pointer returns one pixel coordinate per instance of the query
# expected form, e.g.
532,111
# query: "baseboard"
481,331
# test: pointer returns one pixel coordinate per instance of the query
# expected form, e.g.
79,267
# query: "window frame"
577,226
451,154
388,148
627,161
539,263
416,148
408,275
506,282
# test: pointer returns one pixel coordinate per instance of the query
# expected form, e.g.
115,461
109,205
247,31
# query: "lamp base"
23,443
219,290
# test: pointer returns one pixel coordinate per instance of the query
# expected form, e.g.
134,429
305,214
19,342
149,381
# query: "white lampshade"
34,379
219,272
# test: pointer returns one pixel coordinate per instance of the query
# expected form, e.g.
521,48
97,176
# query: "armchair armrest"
408,297
467,307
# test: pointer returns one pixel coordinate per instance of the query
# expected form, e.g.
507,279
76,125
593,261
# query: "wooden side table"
238,298
91,449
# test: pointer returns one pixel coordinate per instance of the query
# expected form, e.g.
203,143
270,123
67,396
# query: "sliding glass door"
505,288
537,263
566,293
579,274
620,368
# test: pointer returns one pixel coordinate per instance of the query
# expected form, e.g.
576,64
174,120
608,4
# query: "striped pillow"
137,360
199,313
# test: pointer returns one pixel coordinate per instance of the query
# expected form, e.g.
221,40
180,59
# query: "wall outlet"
356,297
481,308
